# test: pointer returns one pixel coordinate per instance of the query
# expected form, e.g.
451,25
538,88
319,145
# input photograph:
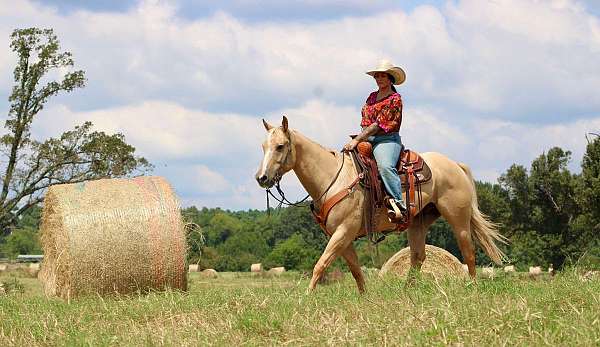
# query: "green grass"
239,309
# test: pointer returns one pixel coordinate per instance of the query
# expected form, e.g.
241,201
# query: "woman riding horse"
327,174
381,120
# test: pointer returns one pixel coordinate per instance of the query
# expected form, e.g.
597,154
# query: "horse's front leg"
339,241
352,261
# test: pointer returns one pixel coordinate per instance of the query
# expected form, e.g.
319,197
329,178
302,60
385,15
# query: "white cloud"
489,83
218,154
162,130
209,181
480,55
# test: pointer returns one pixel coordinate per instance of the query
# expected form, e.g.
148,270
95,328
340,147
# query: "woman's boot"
395,214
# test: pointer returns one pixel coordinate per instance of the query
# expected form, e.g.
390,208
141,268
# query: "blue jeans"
386,150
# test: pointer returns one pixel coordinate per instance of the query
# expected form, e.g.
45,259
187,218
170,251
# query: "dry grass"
250,310
112,236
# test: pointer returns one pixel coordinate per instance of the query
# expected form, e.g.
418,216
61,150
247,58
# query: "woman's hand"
350,145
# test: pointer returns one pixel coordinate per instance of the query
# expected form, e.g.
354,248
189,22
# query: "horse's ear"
284,124
267,125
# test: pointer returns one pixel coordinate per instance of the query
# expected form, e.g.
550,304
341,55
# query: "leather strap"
321,216
411,188
410,198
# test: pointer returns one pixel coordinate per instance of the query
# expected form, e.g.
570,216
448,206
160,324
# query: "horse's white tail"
485,231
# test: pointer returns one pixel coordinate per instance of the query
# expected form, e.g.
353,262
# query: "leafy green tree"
516,184
293,254
588,191
298,220
545,224
590,183
22,241
240,250
555,207
220,227
30,166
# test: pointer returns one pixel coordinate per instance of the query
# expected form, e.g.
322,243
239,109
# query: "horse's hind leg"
460,220
338,242
352,261
417,233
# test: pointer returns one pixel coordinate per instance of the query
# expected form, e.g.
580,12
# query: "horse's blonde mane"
333,152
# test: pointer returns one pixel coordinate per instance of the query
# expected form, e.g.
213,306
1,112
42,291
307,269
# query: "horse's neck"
316,167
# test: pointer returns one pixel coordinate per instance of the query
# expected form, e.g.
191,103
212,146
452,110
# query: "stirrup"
394,212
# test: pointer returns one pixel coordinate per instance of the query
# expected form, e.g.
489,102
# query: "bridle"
283,200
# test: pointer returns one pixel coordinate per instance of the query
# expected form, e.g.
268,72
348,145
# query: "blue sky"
489,83
255,10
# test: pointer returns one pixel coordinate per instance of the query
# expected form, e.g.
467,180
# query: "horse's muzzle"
264,181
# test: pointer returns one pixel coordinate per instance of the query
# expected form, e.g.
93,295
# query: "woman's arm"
368,131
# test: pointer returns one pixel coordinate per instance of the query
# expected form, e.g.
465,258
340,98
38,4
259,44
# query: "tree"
293,254
31,166
23,241
240,250
590,182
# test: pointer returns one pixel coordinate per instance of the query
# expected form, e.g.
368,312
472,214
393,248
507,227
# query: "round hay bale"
488,272
193,268
509,269
209,273
535,271
256,267
438,263
3,267
276,270
112,236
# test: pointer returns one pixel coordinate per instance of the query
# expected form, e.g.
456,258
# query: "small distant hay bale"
509,269
112,236
209,273
488,272
33,269
3,267
535,271
256,268
276,270
438,263
193,268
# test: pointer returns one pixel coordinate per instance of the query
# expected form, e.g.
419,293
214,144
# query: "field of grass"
239,309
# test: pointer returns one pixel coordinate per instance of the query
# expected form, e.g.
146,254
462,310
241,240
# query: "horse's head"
279,154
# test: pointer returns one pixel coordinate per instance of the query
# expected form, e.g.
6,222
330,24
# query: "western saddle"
413,171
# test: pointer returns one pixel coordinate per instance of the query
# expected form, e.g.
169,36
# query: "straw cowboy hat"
387,67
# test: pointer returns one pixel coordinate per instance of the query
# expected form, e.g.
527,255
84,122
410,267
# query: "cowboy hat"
387,67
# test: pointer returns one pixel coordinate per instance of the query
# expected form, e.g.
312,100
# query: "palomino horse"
450,193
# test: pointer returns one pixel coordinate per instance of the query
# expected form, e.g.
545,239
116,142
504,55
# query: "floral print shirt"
386,113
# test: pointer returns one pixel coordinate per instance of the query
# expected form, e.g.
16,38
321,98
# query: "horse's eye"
279,147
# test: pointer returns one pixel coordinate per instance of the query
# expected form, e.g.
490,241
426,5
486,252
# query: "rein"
282,200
